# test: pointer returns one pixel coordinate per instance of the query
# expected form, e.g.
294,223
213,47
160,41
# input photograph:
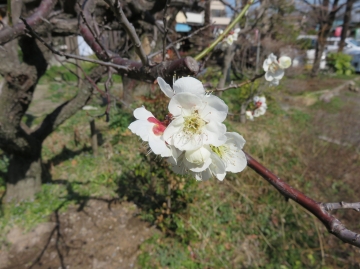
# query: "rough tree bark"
24,175
22,145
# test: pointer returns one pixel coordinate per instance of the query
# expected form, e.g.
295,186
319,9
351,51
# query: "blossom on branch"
211,161
150,130
260,104
275,69
185,84
197,121
229,39
193,136
249,115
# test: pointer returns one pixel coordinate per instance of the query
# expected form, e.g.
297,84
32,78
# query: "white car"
351,45
310,52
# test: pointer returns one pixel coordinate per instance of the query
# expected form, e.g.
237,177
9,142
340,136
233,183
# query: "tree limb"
232,86
10,33
136,70
181,39
341,205
332,224
68,55
130,30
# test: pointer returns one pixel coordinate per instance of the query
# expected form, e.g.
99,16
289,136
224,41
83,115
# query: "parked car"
308,43
352,47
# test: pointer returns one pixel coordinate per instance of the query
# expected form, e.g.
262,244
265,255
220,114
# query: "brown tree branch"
232,86
136,70
165,29
92,32
129,28
10,33
179,40
341,205
332,224
68,55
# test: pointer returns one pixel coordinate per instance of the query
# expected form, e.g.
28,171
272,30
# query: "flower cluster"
275,69
229,39
260,108
193,136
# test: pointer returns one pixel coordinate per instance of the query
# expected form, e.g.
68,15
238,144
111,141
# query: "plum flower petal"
259,112
216,168
201,163
261,106
249,115
189,84
231,152
198,160
284,62
185,84
166,88
197,121
150,130
275,69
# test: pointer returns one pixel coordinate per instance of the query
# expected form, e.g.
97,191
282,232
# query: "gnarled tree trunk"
23,179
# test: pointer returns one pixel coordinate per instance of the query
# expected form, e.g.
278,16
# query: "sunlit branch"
332,224
341,205
67,55
225,33
9,33
233,86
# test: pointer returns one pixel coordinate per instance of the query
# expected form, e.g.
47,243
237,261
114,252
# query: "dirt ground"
100,234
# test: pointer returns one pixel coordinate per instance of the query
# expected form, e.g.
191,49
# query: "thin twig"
225,33
179,40
35,19
165,29
234,9
130,30
341,205
91,30
67,55
232,86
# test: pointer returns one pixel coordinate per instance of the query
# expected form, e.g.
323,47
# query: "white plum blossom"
211,161
150,130
203,166
232,37
185,84
193,135
249,115
260,104
197,121
229,39
231,152
275,69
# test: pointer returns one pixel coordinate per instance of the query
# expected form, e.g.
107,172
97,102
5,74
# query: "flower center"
193,124
219,151
274,67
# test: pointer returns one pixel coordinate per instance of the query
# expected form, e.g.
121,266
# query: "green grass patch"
334,106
